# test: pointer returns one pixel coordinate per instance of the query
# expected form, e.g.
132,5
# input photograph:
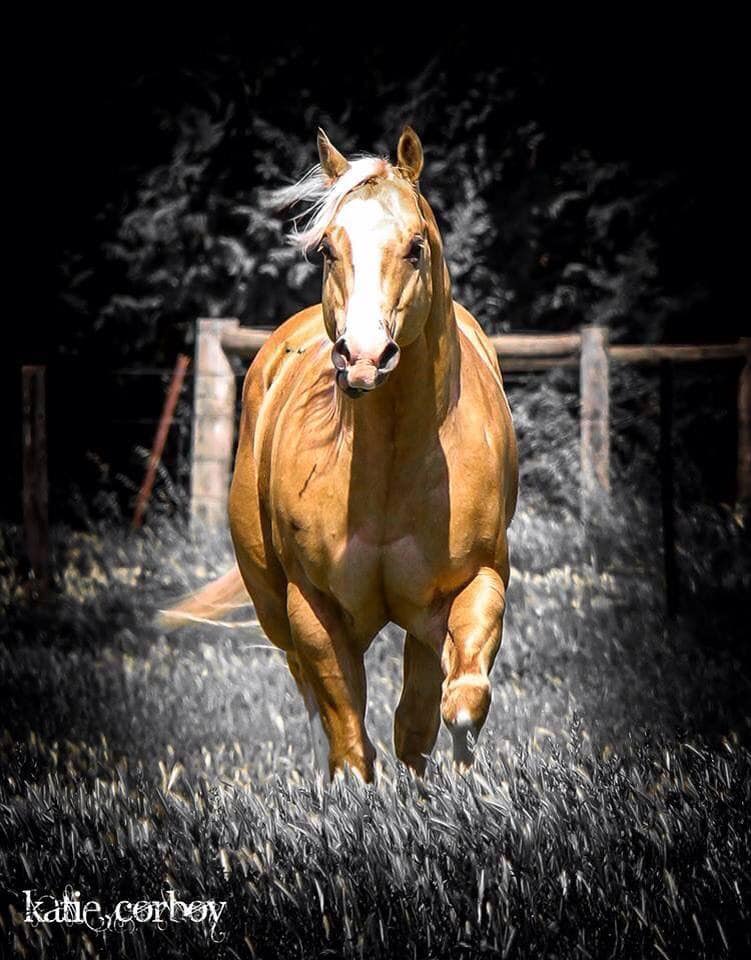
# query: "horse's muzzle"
356,376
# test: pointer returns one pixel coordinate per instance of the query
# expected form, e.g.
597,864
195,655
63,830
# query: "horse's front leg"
474,636
318,739
333,671
418,715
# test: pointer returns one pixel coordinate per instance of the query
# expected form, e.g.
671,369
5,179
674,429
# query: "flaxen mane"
324,196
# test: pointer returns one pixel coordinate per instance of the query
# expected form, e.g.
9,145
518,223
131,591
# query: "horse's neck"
441,333
442,337
427,378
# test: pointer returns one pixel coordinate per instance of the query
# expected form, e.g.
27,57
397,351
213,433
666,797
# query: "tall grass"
555,854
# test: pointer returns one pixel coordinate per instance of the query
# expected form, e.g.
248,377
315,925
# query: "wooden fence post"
35,494
213,424
743,487
594,422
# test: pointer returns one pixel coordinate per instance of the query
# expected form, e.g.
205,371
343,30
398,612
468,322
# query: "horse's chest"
331,530
384,537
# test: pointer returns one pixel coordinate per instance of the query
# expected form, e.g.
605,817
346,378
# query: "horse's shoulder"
287,343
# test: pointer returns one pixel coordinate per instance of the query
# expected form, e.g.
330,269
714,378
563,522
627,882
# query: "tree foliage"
541,231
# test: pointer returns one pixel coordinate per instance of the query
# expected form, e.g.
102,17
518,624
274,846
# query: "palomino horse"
376,473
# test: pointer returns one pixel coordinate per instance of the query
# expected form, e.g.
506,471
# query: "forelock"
324,197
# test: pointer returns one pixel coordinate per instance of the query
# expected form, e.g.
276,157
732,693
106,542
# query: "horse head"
379,243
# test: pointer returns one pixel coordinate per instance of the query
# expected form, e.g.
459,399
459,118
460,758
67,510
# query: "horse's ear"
333,163
409,154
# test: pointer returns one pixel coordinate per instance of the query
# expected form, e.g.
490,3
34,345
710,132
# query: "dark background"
577,177
580,173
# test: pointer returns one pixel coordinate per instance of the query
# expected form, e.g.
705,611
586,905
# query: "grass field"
607,814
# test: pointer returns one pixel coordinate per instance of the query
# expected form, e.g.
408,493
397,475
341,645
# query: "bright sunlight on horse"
376,473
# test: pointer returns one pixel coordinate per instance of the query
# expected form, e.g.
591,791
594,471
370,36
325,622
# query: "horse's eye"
326,249
414,253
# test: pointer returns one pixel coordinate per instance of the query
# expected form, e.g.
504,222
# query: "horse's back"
483,354
479,341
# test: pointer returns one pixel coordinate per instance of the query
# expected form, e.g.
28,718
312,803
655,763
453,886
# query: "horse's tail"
208,603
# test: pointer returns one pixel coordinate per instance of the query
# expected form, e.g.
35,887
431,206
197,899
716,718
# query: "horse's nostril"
389,357
340,354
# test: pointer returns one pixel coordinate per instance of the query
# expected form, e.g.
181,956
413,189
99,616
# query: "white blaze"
367,227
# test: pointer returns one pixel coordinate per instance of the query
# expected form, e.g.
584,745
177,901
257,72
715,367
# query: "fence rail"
246,342
588,349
